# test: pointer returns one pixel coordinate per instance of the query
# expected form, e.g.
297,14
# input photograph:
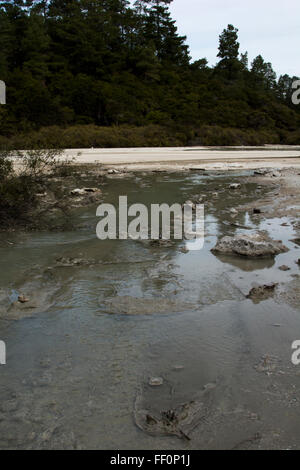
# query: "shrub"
17,197
18,189
6,166
37,162
87,136
292,138
152,135
220,136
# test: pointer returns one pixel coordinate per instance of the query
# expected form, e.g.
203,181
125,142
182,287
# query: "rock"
156,381
78,192
235,186
233,224
92,190
177,367
84,191
69,262
262,292
190,204
162,243
250,245
112,172
284,268
22,299
209,386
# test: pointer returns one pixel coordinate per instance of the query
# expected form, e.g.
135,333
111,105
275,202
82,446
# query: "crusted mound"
251,245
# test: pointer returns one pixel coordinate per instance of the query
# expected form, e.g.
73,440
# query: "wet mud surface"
102,319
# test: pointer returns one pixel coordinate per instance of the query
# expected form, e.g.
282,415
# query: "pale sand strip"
189,157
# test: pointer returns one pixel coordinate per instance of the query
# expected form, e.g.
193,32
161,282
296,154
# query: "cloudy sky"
267,27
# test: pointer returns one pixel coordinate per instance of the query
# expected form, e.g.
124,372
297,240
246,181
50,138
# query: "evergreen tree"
159,28
228,44
263,72
229,52
107,62
244,60
35,46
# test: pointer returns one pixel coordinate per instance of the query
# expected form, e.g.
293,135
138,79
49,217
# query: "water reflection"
129,310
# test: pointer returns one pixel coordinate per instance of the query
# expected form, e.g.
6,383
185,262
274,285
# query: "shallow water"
77,361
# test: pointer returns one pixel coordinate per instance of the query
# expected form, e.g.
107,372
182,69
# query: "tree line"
109,63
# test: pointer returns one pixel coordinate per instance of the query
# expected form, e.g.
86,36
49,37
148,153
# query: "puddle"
101,328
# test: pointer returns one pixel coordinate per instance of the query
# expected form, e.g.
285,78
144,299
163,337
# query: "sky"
267,27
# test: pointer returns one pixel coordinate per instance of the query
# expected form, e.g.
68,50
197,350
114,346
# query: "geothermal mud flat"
132,345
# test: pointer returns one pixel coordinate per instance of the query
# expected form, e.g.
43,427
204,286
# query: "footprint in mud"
268,365
158,414
260,293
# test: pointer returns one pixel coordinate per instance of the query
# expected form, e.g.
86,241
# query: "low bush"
220,136
292,138
91,136
18,189
87,136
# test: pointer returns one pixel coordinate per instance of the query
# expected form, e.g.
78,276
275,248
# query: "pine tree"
245,60
107,62
7,44
159,28
263,73
229,51
228,44
35,46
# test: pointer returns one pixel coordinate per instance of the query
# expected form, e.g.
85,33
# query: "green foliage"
38,162
263,73
229,45
293,138
220,136
88,72
17,198
259,130
6,166
87,136
18,189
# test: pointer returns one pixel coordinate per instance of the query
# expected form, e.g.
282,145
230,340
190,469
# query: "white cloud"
266,27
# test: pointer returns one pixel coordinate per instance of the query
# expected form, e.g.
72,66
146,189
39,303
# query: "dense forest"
111,73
